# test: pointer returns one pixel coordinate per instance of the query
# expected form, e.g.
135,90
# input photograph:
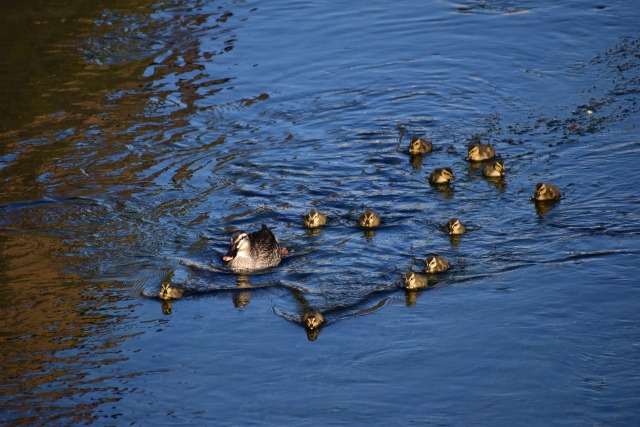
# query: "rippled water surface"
136,137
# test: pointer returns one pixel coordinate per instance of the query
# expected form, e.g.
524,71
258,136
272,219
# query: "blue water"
183,121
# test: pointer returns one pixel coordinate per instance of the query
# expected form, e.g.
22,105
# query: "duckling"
253,251
369,219
420,146
167,292
314,219
312,319
441,176
546,192
480,152
494,170
454,226
436,264
413,280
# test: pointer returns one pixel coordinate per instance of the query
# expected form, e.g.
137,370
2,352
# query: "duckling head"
369,219
411,280
541,190
164,291
312,319
454,226
447,173
240,245
473,151
313,219
431,264
499,167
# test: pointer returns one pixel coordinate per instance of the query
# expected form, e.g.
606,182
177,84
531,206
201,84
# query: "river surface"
137,136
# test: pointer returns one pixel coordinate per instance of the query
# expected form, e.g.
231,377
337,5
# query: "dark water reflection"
136,136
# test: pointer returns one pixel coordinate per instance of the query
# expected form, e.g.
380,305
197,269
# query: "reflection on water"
137,136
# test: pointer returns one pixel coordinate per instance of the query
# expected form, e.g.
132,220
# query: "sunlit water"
137,138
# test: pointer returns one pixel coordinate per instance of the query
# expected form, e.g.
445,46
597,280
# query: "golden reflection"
368,234
544,206
416,161
166,306
498,183
312,334
411,297
241,298
444,189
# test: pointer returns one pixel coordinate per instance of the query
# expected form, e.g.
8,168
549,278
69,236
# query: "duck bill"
231,254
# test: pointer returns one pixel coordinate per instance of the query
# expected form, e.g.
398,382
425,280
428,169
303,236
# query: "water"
135,138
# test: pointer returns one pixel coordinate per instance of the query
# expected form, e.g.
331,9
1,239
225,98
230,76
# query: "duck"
312,319
369,219
494,170
168,292
441,176
480,152
546,192
413,280
454,226
420,146
436,264
253,251
314,219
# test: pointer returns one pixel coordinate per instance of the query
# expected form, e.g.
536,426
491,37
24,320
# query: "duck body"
413,280
253,251
441,176
546,192
480,152
494,170
455,227
436,264
420,146
369,219
168,292
314,219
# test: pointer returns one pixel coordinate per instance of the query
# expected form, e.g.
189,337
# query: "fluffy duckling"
312,319
480,152
314,219
546,192
420,146
436,264
369,219
494,170
168,292
441,176
253,251
454,226
413,280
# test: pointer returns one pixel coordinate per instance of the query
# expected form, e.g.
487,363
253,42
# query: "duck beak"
231,254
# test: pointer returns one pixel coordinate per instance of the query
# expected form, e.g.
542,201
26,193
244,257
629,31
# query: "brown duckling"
168,292
369,219
494,170
480,152
546,192
436,264
312,319
454,226
413,280
314,219
420,146
441,176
